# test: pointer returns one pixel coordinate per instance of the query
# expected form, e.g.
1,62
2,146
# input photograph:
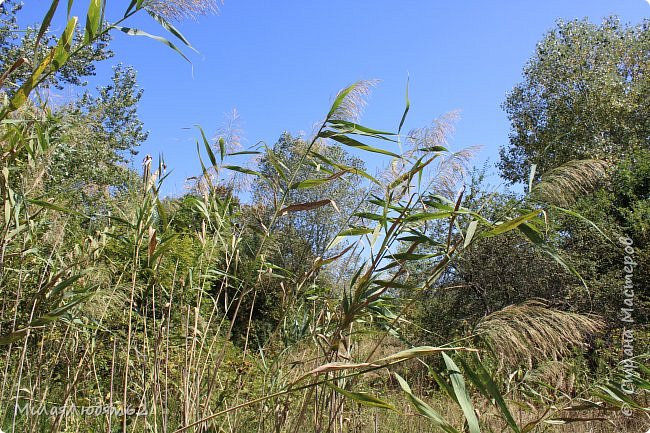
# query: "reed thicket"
185,311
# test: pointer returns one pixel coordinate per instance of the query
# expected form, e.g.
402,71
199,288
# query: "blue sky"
280,63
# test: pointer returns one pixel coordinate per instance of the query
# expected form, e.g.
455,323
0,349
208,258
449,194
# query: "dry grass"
563,185
406,421
532,332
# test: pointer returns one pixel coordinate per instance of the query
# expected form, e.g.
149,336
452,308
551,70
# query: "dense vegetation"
323,298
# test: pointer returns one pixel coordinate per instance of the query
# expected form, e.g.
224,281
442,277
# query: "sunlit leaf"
362,398
512,224
482,379
423,408
45,24
469,235
345,127
419,351
170,28
309,183
136,32
93,20
208,148
458,382
355,231
243,170
427,216
344,139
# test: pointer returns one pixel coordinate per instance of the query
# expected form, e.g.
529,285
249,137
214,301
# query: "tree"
585,94
17,43
305,235
489,275
101,133
298,238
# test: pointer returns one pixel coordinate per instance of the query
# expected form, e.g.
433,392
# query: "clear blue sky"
279,63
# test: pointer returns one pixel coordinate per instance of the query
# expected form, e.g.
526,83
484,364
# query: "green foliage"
585,95
70,56
215,314
305,235
100,133
16,43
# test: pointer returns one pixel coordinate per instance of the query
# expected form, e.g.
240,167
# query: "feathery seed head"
532,331
353,103
179,10
563,185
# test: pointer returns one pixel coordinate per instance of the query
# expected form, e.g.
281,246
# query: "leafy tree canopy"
585,94
17,43
307,234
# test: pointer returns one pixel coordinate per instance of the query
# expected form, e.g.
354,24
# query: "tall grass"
141,314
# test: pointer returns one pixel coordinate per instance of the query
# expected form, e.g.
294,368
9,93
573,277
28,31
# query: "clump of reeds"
531,332
563,185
